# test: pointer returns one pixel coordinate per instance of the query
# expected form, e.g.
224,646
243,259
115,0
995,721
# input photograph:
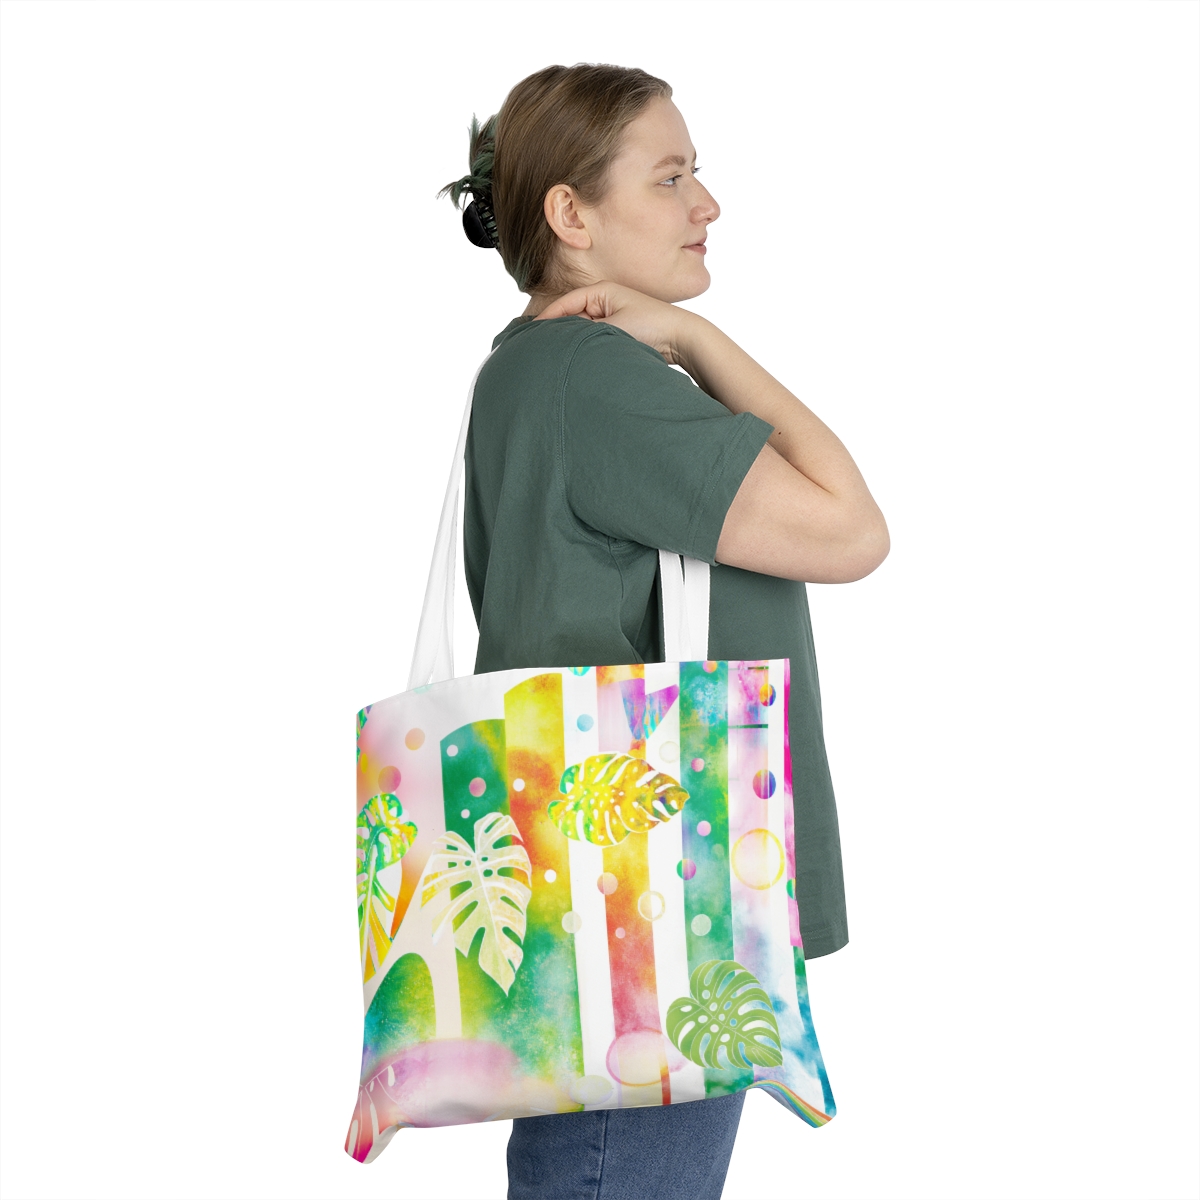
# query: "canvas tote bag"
576,884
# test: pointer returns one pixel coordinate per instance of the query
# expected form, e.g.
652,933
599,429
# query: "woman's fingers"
564,306
654,322
591,302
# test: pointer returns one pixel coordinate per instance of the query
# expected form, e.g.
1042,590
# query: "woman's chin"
696,287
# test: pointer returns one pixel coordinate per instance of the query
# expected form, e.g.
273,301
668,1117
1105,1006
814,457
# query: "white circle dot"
551,875
466,812
451,751
518,785
701,925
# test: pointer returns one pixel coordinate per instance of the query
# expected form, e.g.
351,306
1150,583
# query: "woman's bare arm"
803,510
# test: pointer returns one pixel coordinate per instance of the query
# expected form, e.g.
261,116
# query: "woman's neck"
536,304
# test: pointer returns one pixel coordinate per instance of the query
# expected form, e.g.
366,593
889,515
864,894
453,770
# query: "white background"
238,329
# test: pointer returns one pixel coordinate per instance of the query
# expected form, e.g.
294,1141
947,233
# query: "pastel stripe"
761,919
471,754
756,851
665,848
703,728
637,1059
533,718
581,736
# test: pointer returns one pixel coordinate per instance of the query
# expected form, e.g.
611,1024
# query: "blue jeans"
677,1152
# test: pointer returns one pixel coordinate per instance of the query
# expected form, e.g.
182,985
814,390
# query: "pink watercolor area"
449,1081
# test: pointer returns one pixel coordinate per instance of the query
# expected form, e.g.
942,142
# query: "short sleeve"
647,455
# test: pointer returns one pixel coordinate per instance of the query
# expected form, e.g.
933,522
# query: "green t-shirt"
586,453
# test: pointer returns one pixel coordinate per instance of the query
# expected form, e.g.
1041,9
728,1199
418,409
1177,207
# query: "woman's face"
648,232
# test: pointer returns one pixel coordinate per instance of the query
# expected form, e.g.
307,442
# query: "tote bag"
576,885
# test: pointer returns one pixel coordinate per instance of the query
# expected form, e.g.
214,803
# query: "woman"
587,453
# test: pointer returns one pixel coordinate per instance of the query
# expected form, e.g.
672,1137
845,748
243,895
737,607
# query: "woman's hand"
654,322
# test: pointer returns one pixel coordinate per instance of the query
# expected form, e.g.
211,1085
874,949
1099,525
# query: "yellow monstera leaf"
610,796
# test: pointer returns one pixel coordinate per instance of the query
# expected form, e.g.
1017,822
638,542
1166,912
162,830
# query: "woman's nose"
707,209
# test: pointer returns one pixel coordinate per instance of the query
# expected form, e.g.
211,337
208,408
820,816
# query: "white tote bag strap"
684,587
433,655
685,606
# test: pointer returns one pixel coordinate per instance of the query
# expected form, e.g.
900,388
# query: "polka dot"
766,695
414,739
518,785
719,849
669,751
451,751
476,787
791,889
764,784
686,869
591,1089
703,828
710,666
697,764
389,779
637,1058
701,925
758,859
551,875
466,814
585,721
572,922
607,883
651,905
619,932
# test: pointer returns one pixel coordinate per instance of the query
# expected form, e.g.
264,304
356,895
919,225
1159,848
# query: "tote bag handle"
684,587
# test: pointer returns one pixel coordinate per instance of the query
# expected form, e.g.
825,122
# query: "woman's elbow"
867,552
858,555
829,545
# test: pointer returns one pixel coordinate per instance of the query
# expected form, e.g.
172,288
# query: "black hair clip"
480,224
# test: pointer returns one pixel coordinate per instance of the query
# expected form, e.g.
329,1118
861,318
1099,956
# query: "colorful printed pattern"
580,898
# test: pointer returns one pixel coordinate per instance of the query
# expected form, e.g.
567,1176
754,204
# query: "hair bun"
479,222
479,219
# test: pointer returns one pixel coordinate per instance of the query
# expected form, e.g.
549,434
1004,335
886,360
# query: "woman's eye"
675,177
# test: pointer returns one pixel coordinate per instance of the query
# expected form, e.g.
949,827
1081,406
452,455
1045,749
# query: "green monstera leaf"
486,899
610,796
383,839
727,1010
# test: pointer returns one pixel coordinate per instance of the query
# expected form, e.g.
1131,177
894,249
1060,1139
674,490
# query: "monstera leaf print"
383,839
610,796
489,898
729,1010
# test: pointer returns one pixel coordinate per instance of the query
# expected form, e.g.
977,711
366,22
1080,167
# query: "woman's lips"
698,247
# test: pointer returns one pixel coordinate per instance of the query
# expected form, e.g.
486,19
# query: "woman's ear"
563,215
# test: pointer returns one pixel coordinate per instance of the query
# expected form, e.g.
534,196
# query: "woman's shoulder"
571,360
560,337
